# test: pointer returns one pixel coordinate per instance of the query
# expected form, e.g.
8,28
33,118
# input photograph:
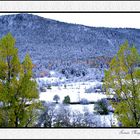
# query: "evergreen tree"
18,90
66,100
123,79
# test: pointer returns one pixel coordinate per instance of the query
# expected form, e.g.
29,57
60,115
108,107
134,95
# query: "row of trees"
59,115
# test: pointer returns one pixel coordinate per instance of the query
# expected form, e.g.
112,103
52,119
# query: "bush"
102,107
66,100
49,87
96,89
84,101
65,86
90,90
42,89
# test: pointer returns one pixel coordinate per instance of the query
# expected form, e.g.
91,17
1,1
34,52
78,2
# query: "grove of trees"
18,90
59,115
122,80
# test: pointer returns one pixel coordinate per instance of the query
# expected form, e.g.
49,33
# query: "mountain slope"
52,43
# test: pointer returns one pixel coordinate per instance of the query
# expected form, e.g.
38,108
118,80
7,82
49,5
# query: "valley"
84,94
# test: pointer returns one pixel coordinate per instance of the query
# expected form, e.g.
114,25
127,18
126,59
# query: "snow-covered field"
76,91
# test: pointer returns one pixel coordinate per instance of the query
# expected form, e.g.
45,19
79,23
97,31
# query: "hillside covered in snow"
58,45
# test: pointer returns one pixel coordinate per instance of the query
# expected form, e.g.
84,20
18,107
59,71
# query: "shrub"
66,100
102,106
42,89
90,90
84,101
96,89
65,86
49,87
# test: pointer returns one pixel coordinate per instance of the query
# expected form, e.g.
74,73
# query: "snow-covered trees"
60,115
47,115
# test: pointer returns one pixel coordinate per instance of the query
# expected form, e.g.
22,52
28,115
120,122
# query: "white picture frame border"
69,133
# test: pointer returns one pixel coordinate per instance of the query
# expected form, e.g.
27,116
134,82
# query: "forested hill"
50,40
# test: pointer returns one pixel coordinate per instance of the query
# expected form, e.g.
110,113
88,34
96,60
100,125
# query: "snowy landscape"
59,71
83,94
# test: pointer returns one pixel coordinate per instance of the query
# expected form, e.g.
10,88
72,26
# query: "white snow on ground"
81,108
76,92
49,80
108,120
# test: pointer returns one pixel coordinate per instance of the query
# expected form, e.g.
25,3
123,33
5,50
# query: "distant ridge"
51,42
